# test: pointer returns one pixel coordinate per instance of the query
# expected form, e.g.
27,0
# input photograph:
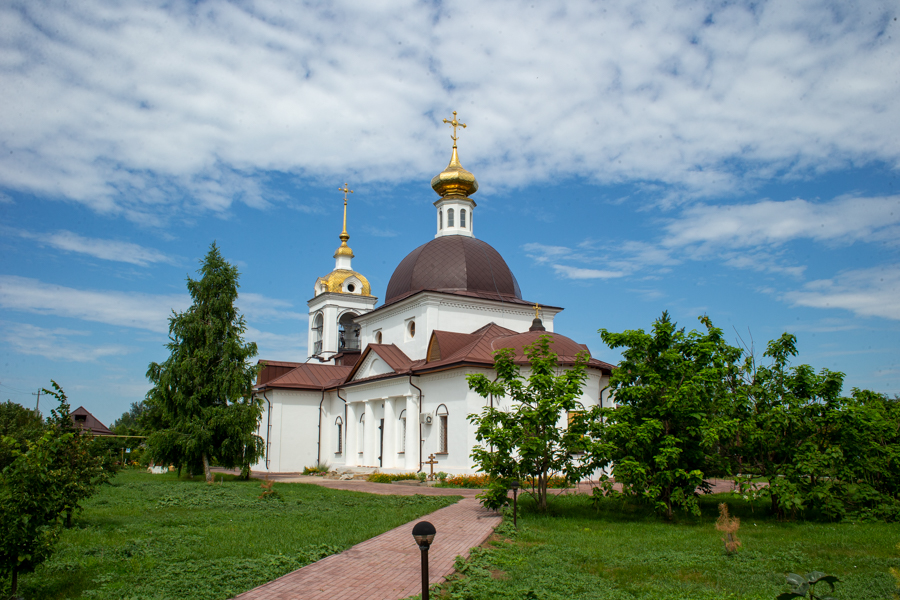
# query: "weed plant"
620,551
155,537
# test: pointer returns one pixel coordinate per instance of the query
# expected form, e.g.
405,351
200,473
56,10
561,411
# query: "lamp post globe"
423,532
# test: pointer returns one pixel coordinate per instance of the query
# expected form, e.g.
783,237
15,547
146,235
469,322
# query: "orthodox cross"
537,311
454,123
346,191
431,462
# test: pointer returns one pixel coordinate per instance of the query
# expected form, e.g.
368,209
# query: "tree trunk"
206,470
69,517
15,582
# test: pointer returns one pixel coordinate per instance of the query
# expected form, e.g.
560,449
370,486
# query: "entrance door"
380,443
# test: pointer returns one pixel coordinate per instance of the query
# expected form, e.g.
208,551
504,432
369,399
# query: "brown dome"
455,264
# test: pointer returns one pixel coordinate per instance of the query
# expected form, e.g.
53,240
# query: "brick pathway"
387,567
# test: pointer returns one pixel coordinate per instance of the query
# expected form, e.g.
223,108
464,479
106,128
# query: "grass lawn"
624,552
152,537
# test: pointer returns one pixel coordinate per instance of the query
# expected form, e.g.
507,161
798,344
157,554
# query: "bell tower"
339,298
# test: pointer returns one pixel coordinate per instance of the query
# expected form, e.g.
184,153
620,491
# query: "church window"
449,217
402,432
351,288
361,433
318,325
339,425
440,219
411,328
462,218
442,415
378,337
348,332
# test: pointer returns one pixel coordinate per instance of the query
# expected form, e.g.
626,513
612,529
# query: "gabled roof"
393,356
85,420
446,350
309,376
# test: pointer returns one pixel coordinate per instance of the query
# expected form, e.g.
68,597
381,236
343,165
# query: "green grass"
154,537
623,552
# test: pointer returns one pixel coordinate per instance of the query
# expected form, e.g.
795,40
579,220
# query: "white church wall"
292,437
443,312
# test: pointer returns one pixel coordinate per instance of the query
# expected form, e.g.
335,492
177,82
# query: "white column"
412,433
389,458
351,426
370,448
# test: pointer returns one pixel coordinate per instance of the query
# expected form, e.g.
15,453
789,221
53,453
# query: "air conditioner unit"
426,418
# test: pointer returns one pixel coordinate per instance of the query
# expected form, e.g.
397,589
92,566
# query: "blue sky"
737,159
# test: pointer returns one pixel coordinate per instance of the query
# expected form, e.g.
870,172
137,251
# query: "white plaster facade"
392,410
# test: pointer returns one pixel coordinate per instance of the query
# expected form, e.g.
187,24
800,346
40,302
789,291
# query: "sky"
731,159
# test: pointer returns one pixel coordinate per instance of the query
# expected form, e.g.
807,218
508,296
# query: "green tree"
820,454
82,463
527,441
673,392
32,501
202,397
19,423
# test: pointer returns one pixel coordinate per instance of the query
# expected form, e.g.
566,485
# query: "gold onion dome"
334,282
454,180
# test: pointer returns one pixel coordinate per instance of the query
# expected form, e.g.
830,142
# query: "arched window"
401,431
339,425
440,219
449,217
378,337
348,333
462,218
318,325
361,433
442,415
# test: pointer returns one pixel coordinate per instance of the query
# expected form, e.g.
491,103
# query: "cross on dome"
454,123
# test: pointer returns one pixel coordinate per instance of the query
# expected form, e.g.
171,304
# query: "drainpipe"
268,426
319,442
346,426
419,419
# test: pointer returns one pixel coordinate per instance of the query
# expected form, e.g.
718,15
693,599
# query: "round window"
412,329
351,288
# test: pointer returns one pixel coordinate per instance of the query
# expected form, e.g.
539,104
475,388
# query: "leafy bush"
441,476
389,477
477,481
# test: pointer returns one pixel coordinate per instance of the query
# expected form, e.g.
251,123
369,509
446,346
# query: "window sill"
441,453
401,453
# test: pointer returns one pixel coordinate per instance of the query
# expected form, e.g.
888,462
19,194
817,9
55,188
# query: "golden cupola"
344,280
455,210
454,180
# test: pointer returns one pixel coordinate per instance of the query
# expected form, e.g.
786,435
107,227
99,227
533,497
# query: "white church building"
385,386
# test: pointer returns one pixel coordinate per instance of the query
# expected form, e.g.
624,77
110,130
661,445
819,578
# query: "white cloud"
147,109
258,307
142,311
55,344
769,223
272,346
98,248
873,292
128,309
579,273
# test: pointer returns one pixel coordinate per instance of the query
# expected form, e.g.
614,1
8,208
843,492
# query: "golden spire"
344,249
537,311
454,180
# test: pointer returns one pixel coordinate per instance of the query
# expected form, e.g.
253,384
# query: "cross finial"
537,311
454,123
346,191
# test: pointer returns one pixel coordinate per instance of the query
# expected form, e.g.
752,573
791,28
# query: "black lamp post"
515,488
423,532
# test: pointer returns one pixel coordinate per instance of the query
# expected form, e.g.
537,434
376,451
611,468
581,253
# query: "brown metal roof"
85,420
454,264
272,369
310,376
395,358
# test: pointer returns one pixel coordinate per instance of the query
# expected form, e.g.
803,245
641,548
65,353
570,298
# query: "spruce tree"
202,400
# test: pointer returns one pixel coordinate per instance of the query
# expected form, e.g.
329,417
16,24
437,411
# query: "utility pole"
38,405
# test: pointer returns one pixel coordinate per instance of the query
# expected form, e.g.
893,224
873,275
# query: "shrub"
316,469
442,477
477,481
389,477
